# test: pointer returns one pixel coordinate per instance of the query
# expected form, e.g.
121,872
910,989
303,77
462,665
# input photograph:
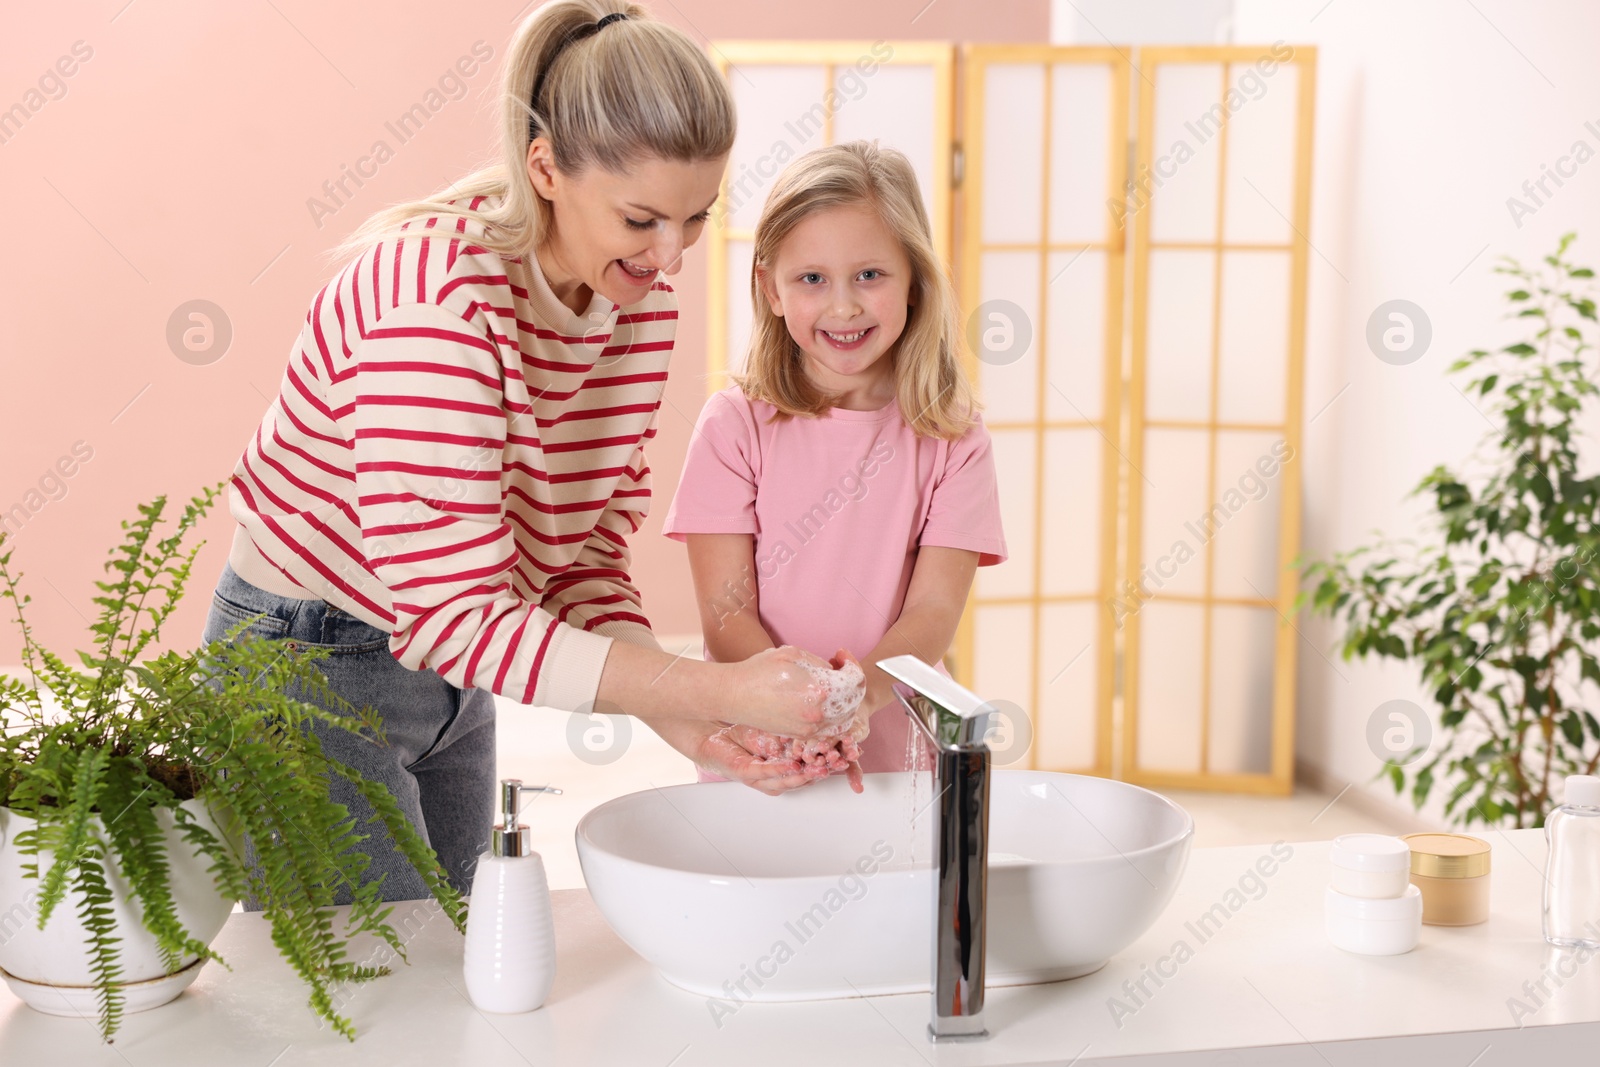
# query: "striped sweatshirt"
458,459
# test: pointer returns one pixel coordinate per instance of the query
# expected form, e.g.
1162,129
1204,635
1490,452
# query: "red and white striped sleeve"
430,432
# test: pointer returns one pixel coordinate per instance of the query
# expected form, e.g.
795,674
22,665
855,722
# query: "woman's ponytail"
608,97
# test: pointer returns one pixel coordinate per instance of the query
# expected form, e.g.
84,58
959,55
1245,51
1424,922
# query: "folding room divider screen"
1135,296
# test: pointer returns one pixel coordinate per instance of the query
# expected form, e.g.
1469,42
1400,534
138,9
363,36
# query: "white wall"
1429,116
1121,22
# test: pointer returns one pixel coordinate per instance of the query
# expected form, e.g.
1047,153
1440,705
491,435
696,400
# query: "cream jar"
1385,926
1452,870
1371,866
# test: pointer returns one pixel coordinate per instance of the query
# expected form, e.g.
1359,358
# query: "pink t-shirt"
838,506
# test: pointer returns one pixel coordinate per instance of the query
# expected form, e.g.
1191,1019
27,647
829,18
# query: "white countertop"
1265,979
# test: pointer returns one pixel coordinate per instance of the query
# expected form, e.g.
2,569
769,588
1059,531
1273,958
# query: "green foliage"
1501,610
135,739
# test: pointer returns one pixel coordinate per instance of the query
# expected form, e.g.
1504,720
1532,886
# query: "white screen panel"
1260,189
1075,337
740,256
1014,461
1003,657
1243,520
1069,665
1178,335
1080,119
894,106
1172,549
1169,686
1252,348
1180,189
1242,642
1008,370
780,111
1013,149
1072,512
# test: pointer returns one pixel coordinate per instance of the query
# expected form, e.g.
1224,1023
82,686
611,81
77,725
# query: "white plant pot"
49,969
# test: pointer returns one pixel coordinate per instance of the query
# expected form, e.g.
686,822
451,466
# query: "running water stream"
918,791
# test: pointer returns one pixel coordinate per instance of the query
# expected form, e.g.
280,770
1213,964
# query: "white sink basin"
823,893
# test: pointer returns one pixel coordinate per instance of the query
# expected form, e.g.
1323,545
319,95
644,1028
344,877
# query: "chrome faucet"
956,724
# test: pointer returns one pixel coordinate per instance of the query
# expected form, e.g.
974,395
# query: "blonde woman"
842,494
443,491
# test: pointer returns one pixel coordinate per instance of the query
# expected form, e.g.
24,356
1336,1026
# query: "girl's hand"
855,698
776,691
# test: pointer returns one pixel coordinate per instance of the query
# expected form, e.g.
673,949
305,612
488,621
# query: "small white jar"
1373,866
1374,926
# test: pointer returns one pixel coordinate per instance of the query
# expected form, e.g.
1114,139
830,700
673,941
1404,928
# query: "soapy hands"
776,690
788,690
836,744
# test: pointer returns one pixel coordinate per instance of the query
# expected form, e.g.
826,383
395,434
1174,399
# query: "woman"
443,490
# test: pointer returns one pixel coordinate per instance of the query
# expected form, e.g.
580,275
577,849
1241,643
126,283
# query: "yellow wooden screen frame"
1279,780
975,60
829,55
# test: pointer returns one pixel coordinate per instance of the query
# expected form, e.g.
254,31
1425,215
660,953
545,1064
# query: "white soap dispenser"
510,955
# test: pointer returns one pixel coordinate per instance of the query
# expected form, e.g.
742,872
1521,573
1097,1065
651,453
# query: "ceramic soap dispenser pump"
510,954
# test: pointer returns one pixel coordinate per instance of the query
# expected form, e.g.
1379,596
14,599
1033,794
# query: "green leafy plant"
1501,610
133,738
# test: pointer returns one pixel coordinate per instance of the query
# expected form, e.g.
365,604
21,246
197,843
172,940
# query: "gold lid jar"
1452,870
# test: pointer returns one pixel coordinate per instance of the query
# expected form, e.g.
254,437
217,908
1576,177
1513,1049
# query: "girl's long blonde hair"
935,396
635,89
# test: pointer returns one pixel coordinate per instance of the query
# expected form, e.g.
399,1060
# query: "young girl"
842,495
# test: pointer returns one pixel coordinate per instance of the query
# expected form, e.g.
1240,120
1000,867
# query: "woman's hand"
777,691
816,760
836,748
769,760
715,748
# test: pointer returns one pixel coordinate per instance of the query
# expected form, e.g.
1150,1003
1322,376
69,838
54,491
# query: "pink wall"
158,153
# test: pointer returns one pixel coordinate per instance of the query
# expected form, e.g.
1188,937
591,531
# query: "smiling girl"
842,494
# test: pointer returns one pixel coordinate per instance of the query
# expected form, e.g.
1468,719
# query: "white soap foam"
842,688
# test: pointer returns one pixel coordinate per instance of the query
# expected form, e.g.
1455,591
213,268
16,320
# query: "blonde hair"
936,398
609,98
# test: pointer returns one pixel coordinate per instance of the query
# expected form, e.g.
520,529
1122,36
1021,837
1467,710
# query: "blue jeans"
440,761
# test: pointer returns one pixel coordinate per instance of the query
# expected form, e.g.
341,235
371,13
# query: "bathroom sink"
824,893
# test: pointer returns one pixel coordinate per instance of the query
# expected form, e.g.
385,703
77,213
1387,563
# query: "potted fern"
127,788
1500,609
